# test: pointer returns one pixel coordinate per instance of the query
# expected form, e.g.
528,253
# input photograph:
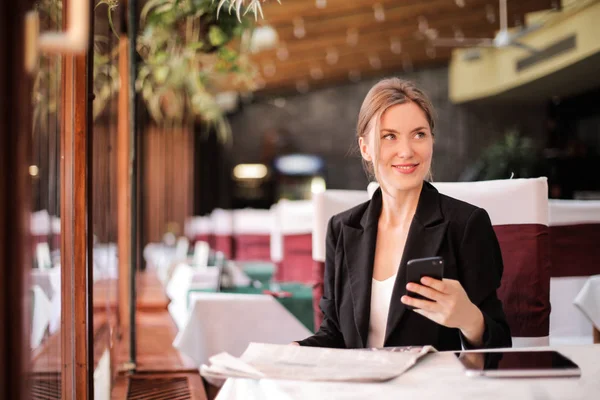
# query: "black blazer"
442,226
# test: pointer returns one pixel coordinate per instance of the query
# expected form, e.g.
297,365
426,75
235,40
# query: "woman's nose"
404,148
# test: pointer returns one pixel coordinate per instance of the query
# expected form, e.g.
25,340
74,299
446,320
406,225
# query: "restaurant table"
230,321
438,376
295,297
588,301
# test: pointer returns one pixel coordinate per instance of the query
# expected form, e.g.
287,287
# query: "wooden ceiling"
324,42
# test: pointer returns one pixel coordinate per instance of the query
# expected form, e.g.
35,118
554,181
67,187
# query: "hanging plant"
189,48
253,5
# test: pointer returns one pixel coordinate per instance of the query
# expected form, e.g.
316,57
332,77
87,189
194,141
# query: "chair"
199,228
40,228
40,316
222,228
291,240
575,256
327,204
252,235
518,209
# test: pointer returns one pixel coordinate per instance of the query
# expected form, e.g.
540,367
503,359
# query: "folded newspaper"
271,361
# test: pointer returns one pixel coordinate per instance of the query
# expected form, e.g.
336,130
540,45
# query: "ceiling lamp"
34,170
283,53
250,171
269,69
352,37
395,45
423,25
490,14
263,38
354,75
260,83
316,73
375,61
407,64
299,30
302,86
458,34
430,51
379,12
321,4
332,56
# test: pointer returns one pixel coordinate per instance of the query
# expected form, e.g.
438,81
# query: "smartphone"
420,267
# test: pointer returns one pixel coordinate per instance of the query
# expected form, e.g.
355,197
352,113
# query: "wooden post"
15,183
76,255
123,187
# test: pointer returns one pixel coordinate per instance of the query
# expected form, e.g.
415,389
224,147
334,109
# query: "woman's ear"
364,149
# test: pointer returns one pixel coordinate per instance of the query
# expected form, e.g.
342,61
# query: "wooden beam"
276,14
355,62
76,255
403,14
123,188
471,25
15,184
288,86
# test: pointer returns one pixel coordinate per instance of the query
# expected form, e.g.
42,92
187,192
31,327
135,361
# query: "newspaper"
270,361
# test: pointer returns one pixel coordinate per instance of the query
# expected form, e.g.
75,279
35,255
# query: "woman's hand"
450,307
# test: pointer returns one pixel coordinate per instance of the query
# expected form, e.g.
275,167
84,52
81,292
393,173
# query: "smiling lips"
405,168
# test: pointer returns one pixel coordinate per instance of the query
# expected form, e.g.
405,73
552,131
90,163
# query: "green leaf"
216,36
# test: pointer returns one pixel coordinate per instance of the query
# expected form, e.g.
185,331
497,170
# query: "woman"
368,247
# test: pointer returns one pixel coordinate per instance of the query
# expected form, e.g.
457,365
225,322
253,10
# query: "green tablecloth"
258,271
299,304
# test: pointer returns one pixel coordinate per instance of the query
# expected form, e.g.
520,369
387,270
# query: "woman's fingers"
439,285
418,303
425,291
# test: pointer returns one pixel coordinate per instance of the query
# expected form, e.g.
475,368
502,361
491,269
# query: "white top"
381,296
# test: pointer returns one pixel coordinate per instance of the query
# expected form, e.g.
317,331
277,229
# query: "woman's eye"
420,135
389,136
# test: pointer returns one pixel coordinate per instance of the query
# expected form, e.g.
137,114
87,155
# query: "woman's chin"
405,183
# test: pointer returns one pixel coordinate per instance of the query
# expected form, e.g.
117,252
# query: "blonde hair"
385,94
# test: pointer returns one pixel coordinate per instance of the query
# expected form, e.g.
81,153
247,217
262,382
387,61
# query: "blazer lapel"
425,236
359,248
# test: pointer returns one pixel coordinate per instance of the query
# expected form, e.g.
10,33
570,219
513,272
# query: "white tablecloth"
588,300
438,377
229,322
568,325
186,277
42,311
48,281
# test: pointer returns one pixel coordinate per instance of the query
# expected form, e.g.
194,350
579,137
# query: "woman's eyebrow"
420,128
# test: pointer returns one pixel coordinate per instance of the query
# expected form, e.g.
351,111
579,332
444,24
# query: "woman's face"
406,147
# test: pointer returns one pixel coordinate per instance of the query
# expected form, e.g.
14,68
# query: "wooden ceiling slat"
277,14
361,64
407,15
285,86
471,26
328,27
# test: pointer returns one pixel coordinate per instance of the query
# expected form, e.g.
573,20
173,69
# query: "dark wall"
323,122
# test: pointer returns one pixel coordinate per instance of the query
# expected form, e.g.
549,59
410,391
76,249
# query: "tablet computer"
518,364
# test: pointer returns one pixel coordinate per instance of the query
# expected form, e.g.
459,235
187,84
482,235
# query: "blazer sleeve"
329,334
480,272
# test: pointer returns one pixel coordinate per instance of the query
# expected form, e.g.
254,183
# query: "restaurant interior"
168,170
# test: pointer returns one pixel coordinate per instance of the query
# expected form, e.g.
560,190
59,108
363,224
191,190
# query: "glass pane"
104,191
45,279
